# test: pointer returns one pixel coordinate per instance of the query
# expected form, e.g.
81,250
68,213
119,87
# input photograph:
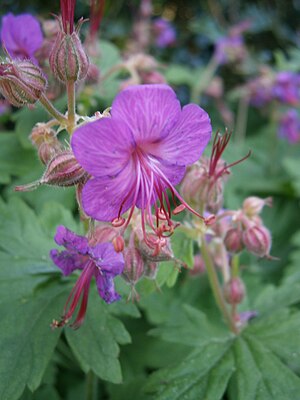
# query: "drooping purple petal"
67,261
22,35
149,111
188,138
103,197
71,241
107,259
102,147
106,288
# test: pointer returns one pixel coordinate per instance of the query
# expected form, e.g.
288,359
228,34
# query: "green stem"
52,110
71,105
91,386
242,117
205,80
216,288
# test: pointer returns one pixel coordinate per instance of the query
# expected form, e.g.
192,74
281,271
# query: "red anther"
210,220
117,222
179,209
118,243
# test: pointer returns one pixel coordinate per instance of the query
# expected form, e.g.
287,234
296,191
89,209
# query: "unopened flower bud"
21,82
257,240
134,265
215,196
150,270
118,243
62,170
46,142
253,205
234,291
68,60
234,240
198,267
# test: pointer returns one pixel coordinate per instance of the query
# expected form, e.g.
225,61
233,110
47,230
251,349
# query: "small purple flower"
21,35
138,153
100,261
286,87
289,127
164,31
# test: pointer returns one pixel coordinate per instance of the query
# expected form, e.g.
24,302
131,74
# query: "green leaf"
95,344
27,342
14,160
180,75
254,364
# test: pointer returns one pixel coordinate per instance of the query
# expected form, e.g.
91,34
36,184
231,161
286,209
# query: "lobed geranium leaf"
251,366
27,342
95,344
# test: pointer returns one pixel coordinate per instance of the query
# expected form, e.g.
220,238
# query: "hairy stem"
216,288
71,106
52,110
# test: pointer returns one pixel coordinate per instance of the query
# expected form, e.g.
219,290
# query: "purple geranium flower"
287,87
137,154
100,261
21,35
289,127
165,34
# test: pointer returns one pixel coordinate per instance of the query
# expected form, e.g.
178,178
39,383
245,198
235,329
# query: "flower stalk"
52,110
71,106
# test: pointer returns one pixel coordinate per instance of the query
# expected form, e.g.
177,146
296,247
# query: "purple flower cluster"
164,31
289,126
283,87
21,35
139,153
100,261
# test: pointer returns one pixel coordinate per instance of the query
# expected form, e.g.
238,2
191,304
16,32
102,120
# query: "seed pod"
21,82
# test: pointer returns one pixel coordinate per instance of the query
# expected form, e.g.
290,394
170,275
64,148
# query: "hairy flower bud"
46,142
233,240
134,265
234,291
62,170
198,267
257,240
68,60
253,205
21,82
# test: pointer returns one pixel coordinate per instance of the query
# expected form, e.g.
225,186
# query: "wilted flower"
164,32
289,126
100,261
139,153
21,35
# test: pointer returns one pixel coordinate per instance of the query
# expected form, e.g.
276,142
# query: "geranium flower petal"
107,259
67,261
71,241
149,111
106,288
102,147
103,197
187,139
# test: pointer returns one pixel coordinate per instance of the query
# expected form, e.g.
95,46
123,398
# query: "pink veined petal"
102,147
187,139
105,257
149,111
103,197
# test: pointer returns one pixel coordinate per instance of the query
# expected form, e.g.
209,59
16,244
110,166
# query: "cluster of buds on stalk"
140,261
232,232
